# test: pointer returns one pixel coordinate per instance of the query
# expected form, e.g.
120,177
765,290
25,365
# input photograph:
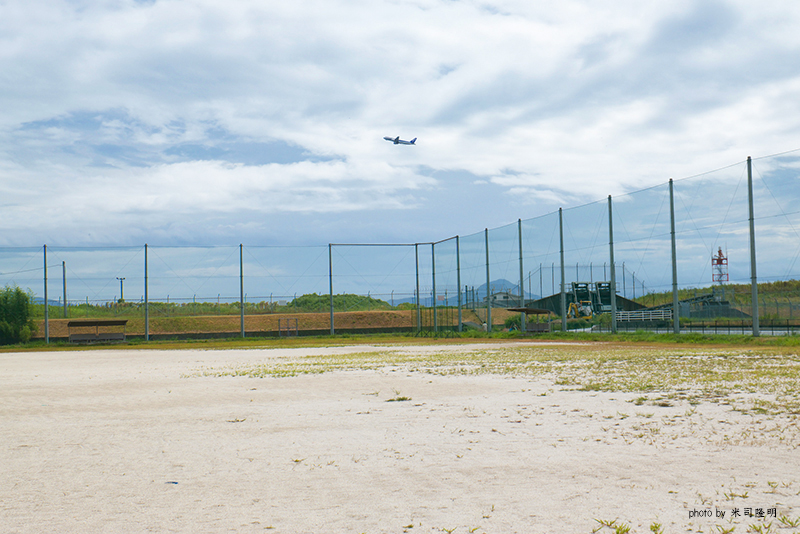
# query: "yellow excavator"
582,309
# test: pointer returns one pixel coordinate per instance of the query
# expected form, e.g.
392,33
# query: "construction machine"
580,309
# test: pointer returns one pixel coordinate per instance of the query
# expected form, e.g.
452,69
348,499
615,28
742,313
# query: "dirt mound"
273,322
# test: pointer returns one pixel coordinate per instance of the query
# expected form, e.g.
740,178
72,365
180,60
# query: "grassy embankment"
782,301
787,344
784,293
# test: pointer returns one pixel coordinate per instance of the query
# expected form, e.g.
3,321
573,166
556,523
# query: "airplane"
399,141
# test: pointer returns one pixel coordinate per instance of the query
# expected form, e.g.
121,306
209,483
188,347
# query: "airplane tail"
413,140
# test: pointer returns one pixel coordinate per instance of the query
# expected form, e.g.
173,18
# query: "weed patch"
763,382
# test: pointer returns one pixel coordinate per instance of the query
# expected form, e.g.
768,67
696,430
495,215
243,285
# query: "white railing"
645,315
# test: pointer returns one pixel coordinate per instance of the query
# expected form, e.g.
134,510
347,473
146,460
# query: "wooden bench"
538,326
85,335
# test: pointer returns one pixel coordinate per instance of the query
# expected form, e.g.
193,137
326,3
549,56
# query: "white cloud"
112,202
123,108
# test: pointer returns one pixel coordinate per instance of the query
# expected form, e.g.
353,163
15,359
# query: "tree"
16,324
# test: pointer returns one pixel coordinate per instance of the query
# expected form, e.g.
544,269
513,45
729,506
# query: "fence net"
420,286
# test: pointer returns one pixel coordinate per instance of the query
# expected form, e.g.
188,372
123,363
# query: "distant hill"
51,302
502,284
782,291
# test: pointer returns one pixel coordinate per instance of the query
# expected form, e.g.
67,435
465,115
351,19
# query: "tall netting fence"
177,291
251,290
74,282
505,280
286,279
474,280
541,257
586,260
456,283
191,281
445,298
642,242
374,286
712,242
776,184
23,267
713,258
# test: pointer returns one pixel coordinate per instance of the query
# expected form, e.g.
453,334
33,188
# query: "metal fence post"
46,314
753,276
676,320
433,281
330,282
488,285
563,274
522,318
624,289
419,313
613,270
241,286
541,287
458,282
64,279
146,298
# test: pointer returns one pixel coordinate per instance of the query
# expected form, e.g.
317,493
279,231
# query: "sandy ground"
139,441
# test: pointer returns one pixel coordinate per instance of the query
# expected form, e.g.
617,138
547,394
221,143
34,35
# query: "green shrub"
576,324
25,334
513,321
343,302
16,324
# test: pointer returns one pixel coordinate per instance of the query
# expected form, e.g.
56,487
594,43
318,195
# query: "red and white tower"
719,267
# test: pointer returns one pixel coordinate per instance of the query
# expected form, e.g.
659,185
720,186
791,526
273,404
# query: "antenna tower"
719,267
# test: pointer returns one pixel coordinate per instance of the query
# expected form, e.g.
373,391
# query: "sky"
209,122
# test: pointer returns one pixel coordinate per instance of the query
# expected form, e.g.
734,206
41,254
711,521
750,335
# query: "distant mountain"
51,302
498,286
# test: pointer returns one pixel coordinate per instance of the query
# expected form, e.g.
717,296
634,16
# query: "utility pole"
121,294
